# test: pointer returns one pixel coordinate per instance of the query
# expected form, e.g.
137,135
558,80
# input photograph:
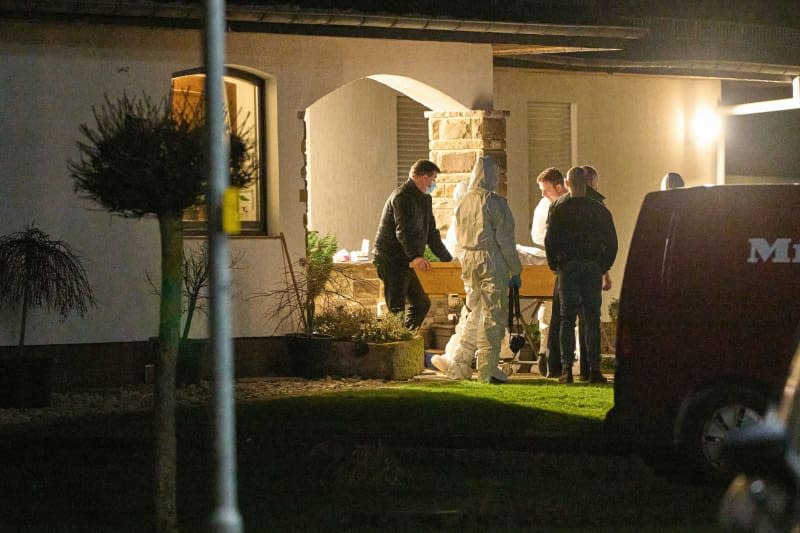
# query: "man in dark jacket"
581,245
406,226
554,367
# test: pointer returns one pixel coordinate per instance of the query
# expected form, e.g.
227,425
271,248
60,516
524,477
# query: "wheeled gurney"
538,282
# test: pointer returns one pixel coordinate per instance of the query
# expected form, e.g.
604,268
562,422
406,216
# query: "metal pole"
225,517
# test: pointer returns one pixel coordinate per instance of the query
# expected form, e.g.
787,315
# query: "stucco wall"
352,160
53,74
628,128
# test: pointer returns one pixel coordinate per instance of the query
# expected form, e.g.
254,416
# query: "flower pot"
309,353
192,362
399,360
25,382
191,365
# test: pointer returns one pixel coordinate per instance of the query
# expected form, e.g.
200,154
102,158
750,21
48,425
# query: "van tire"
707,422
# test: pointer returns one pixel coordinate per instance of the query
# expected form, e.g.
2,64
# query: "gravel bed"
140,397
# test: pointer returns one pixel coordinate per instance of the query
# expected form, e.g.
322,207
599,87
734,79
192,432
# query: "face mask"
431,187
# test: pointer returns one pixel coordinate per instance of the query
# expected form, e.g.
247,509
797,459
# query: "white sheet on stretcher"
530,255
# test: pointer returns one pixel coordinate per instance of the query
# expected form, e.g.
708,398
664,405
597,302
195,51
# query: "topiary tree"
144,158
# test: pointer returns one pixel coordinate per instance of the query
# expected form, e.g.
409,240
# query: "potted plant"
313,285
191,352
36,271
369,346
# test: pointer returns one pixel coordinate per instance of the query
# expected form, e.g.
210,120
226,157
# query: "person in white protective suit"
442,362
485,234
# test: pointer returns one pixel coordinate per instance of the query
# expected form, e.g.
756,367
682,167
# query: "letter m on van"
777,252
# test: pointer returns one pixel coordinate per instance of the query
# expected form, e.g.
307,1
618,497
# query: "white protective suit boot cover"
460,360
463,370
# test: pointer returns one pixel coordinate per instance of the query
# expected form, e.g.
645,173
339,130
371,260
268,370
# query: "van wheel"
708,423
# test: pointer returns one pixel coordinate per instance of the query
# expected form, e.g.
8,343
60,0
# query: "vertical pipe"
721,170
225,517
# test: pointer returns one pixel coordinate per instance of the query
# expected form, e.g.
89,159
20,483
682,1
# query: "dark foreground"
438,456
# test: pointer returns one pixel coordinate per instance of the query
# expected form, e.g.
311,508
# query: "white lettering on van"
777,252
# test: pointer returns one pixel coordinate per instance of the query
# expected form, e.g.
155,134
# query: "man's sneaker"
595,376
584,377
566,376
498,376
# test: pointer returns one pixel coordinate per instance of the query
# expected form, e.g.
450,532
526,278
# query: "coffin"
445,278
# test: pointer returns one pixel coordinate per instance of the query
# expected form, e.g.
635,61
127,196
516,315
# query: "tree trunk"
191,305
21,349
171,229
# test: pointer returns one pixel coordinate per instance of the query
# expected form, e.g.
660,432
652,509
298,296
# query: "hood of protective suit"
484,175
459,190
484,221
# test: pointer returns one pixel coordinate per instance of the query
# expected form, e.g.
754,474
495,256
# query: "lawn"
527,456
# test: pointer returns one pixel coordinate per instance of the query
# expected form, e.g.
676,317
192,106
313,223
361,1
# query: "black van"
709,304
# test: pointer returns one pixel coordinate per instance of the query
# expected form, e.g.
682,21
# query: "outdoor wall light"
705,126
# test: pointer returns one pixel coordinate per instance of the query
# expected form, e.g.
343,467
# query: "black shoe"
566,376
554,373
584,377
595,376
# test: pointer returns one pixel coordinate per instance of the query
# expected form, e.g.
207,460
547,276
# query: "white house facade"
328,109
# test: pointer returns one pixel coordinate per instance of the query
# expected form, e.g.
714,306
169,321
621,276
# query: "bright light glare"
705,126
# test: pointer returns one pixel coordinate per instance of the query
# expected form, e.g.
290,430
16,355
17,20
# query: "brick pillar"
457,140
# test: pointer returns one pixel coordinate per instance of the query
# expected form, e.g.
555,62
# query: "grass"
526,456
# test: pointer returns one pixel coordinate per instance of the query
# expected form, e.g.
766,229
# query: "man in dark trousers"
406,226
581,246
554,363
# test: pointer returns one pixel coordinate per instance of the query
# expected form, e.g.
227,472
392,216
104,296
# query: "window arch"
244,112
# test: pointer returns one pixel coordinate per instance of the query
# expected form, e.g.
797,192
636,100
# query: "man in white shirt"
551,183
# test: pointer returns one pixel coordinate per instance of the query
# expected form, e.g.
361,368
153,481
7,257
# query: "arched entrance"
356,135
